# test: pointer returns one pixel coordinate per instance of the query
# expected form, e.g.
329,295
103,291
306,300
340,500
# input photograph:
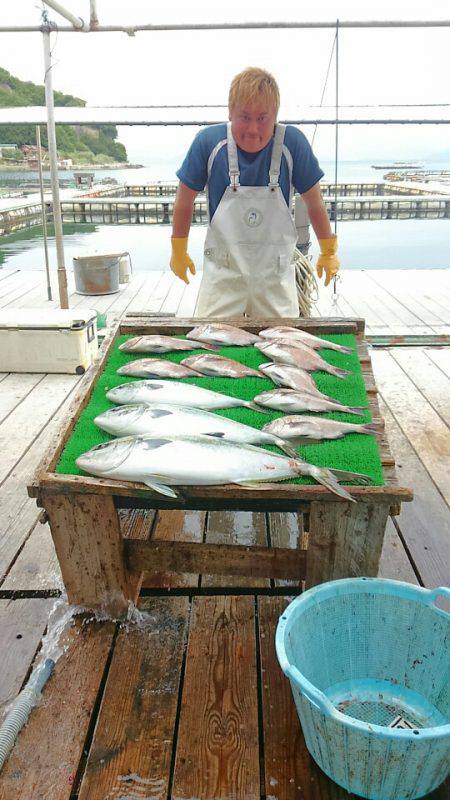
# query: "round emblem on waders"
253,218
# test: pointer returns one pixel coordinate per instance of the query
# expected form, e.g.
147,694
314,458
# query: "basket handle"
439,591
312,694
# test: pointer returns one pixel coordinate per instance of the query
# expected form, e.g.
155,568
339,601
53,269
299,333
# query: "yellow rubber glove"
180,261
328,259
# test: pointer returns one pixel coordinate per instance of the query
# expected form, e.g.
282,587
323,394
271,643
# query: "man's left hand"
328,261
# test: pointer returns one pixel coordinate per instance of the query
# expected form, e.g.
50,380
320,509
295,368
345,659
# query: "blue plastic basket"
369,665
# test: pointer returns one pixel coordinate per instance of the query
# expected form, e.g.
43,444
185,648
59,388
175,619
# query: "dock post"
88,542
345,540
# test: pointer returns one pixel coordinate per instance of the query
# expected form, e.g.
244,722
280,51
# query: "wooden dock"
191,703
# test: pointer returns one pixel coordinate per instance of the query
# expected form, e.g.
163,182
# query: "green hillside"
96,143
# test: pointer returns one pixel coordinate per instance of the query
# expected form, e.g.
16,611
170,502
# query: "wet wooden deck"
191,703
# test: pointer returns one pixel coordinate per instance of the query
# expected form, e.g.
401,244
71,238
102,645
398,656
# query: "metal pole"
93,19
51,133
44,221
77,22
131,30
336,141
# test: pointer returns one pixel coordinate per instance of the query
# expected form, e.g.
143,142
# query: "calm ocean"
384,244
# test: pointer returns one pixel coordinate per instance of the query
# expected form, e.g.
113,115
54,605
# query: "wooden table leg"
88,542
345,540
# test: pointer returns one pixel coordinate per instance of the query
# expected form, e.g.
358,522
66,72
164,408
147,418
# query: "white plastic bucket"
125,269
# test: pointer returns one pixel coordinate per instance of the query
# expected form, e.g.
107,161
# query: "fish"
298,356
222,334
177,393
155,368
164,419
303,429
292,377
296,334
209,364
292,402
160,344
161,462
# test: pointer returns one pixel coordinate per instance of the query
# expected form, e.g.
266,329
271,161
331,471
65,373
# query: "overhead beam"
224,26
77,22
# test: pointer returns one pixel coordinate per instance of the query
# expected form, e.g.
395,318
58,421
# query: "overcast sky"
379,66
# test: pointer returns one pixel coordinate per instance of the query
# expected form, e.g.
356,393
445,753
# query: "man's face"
252,125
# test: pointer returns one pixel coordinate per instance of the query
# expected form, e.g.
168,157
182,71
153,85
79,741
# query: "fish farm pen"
148,210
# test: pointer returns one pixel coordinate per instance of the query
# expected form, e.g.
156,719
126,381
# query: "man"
250,168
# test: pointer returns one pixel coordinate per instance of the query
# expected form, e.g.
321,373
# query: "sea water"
365,244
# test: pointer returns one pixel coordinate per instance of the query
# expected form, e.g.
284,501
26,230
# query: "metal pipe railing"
77,22
223,26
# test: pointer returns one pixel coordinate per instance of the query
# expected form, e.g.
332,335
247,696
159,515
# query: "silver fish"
162,462
298,356
164,419
307,430
176,393
296,334
157,343
221,334
155,368
209,364
292,402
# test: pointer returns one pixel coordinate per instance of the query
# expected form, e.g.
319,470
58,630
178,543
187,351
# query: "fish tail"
341,349
340,373
371,427
326,478
359,410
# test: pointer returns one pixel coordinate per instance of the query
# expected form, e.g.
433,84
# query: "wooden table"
103,570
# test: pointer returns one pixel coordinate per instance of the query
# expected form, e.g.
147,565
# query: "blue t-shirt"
253,167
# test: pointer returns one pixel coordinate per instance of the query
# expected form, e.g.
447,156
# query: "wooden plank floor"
191,703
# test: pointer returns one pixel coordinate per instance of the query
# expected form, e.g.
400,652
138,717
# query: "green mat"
354,452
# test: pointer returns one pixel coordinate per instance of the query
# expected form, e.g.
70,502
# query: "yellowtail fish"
176,393
164,419
165,461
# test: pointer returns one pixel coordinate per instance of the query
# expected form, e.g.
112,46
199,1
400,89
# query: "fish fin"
359,410
216,434
254,485
297,441
161,488
325,477
354,477
255,407
209,346
287,449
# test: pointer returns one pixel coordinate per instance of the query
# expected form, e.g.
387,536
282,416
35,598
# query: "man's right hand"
180,261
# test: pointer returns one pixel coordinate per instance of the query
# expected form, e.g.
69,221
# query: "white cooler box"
36,340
